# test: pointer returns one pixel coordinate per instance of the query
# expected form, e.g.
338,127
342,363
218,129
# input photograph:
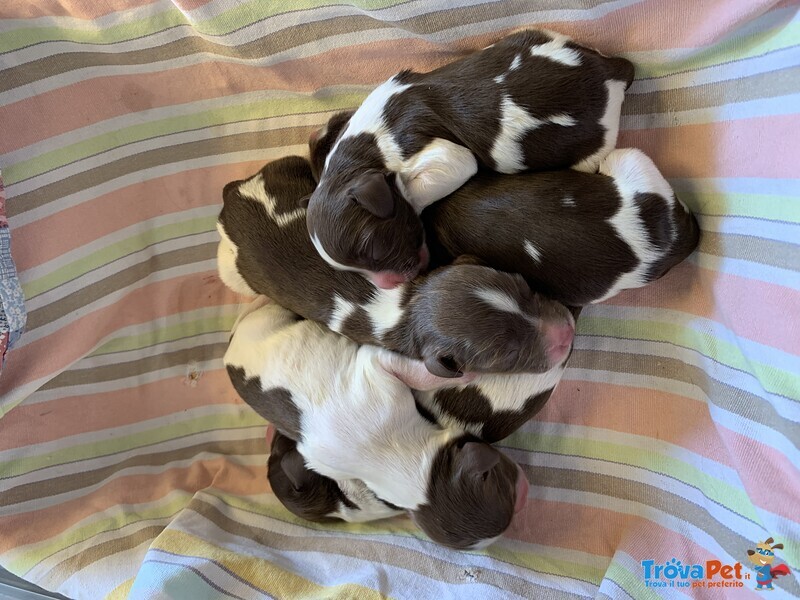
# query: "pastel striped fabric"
128,466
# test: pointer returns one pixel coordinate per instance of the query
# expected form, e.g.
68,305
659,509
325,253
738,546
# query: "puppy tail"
621,69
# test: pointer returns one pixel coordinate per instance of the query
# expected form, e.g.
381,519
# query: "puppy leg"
436,171
415,375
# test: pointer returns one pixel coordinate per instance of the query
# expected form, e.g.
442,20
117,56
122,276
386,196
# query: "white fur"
384,310
253,189
515,64
358,421
506,392
555,50
634,173
515,121
568,201
436,171
610,122
342,309
498,300
330,260
369,119
226,265
369,507
533,252
563,119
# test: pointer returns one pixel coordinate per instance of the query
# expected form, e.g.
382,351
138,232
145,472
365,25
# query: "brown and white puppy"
534,100
576,237
351,411
459,318
314,497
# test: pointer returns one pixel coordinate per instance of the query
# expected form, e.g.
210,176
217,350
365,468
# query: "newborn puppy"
459,318
534,100
578,238
353,415
314,497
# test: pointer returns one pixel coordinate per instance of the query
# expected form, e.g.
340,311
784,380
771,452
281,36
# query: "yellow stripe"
260,573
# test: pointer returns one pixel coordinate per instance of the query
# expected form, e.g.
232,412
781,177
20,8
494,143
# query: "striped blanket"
128,466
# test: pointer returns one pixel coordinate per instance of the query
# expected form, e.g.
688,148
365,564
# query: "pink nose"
387,280
559,341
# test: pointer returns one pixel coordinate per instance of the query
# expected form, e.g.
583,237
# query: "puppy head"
362,223
322,140
302,491
315,497
469,317
473,493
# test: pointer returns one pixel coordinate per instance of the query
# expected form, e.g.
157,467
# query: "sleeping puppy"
460,318
314,497
353,416
578,238
534,100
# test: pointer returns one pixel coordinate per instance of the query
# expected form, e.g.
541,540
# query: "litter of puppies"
419,276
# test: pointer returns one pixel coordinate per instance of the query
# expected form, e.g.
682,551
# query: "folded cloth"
12,303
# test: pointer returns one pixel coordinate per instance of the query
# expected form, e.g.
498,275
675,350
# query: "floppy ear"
751,552
768,541
295,468
478,457
778,546
371,190
443,366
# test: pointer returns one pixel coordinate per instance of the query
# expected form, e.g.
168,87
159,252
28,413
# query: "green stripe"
634,584
757,206
771,378
115,251
237,17
184,329
235,417
166,510
546,563
286,104
273,509
733,498
730,50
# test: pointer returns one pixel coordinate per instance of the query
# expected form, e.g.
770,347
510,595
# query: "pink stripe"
603,532
628,409
641,26
752,309
757,147
54,353
70,228
71,415
78,9
770,479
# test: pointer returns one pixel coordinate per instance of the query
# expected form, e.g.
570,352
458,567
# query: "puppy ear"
778,546
469,259
371,190
443,366
478,457
768,541
751,552
303,202
294,465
